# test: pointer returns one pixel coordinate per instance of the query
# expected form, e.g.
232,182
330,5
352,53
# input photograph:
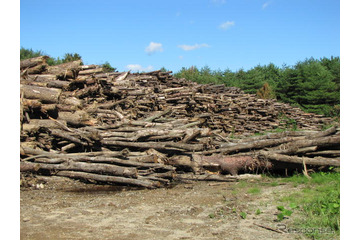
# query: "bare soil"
67,209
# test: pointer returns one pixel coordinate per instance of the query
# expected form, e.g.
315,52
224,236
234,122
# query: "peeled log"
45,95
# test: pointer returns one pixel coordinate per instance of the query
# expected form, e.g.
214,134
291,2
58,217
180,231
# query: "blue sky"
148,35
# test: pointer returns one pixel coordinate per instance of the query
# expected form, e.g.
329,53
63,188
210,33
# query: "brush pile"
149,129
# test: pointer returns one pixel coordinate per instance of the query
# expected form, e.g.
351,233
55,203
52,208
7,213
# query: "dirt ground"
68,209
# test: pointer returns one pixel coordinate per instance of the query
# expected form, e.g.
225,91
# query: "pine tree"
70,57
309,85
29,53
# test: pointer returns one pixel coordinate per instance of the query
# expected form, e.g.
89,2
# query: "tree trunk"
91,71
78,118
32,62
104,178
35,124
58,84
41,78
318,161
81,166
157,145
292,147
251,145
215,177
45,95
65,135
65,70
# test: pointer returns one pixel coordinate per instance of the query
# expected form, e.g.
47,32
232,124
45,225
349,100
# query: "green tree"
240,75
163,69
206,76
70,57
311,86
333,65
288,87
107,67
256,77
29,53
54,61
229,78
253,80
191,73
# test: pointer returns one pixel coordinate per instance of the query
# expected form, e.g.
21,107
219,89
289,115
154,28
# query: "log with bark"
110,179
44,94
100,168
318,161
67,70
32,62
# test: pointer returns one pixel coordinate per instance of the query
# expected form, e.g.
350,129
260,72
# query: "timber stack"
149,129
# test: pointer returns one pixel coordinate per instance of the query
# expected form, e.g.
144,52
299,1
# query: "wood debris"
149,129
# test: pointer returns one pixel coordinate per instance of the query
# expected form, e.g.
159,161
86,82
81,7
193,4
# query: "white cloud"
192,47
265,5
227,25
154,47
139,68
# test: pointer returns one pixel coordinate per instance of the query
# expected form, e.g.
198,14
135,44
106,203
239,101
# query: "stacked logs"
91,94
148,129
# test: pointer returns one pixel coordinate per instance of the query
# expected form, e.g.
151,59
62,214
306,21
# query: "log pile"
148,129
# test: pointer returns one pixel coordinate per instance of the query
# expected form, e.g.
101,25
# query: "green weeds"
299,202
319,203
254,190
283,212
